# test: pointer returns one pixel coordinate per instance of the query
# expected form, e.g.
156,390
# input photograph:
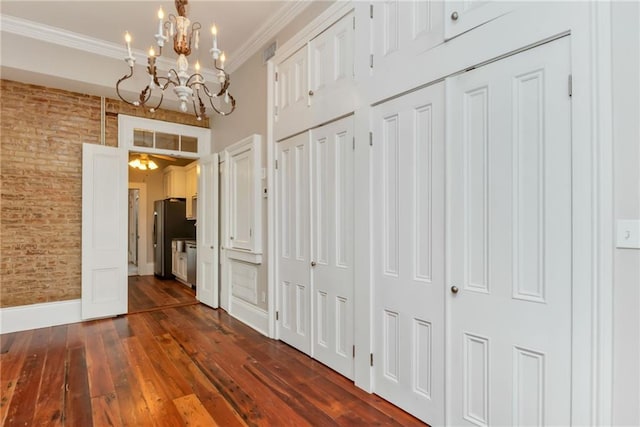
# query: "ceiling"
79,45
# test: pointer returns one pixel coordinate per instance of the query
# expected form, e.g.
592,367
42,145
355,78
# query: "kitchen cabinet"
174,182
191,189
179,260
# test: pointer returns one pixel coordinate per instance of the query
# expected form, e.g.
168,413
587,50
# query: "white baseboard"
250,315
145,269
34,316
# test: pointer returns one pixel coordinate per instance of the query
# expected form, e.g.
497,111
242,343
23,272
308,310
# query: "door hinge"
371,359
276,76
354,351
354,22
353,141
371,11
250,232
371,61
275,110
570,85
276,164
277,315
371,139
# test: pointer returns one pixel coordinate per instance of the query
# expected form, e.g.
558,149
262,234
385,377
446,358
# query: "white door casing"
332,244
223,238
104,231
207,290
293,244
510,253
408,257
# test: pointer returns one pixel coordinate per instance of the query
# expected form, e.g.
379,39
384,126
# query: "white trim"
142,225
271,225
323,21
602,134
283,17
34,316
69,39
250,315
246,256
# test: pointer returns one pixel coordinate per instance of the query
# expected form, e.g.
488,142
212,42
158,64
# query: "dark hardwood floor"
150,293
174,366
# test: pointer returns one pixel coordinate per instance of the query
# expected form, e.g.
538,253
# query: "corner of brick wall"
41,135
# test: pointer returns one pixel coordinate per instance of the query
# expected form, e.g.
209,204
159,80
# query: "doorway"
133,236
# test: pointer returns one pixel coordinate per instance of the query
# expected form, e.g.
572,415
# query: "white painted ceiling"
243,28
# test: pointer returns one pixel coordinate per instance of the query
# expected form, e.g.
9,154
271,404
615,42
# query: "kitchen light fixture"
189,88
143,163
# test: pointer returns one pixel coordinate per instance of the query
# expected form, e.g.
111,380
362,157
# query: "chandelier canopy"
190,89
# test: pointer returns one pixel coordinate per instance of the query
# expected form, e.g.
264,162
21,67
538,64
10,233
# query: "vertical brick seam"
41,135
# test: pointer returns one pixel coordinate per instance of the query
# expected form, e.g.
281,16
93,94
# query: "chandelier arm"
207,91
123,78
190,83
222,113
224,86
203,109
145,94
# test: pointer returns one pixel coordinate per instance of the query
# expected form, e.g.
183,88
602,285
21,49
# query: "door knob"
313,263
310,93
454,289
454,16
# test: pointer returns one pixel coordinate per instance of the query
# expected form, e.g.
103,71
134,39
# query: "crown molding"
58,36
267,31
48,34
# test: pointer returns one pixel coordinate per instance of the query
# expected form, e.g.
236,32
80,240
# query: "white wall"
626,135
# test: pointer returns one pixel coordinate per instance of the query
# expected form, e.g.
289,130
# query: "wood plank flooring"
149,293
175,366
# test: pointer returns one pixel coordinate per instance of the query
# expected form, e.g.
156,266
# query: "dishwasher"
191,263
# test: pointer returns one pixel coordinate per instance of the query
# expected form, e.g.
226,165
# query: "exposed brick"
41,135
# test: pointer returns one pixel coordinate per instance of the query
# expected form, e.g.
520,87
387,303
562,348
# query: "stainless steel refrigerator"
169,222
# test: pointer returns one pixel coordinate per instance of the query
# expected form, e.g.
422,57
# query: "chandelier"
190,89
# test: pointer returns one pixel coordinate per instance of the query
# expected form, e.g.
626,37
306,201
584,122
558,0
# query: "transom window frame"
127,125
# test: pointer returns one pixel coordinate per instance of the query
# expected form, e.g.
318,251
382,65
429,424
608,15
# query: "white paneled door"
292,87
509,204
104,231
332,242
293,241
408,258
207,290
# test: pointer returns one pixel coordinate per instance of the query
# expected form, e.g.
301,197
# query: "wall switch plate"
628,234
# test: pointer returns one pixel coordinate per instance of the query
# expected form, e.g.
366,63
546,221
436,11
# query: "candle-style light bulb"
197,66
127,39
222,59
214,33
160,14
160,18
152,52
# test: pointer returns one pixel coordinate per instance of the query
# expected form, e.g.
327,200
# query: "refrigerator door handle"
155,227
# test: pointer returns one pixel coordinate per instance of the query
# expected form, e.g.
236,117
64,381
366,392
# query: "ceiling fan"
143,162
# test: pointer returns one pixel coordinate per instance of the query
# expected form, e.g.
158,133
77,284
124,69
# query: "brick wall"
41,136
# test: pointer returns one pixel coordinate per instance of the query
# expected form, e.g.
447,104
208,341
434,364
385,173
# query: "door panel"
408,257
461,16
510,241
104,231
207,290
332,228
292,87
331,56
292,213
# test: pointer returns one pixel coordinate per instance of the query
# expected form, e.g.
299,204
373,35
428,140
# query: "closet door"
509,295
408,252
292,94
461,16
293,242
332,229
331,86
